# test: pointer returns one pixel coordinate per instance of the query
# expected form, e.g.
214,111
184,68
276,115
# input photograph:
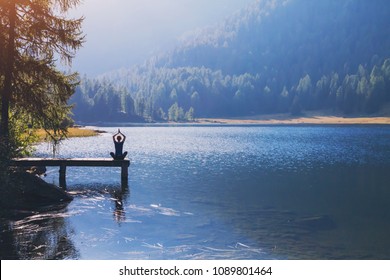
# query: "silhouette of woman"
119,138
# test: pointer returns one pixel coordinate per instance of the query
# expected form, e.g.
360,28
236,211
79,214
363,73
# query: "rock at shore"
30,191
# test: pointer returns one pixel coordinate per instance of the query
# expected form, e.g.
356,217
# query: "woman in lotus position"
118,139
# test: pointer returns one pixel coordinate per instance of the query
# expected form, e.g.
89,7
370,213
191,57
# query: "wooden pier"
64,162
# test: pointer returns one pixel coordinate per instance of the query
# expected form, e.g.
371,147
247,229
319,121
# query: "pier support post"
63,176
125,175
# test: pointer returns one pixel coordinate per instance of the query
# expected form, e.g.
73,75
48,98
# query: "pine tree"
32,34
173,112
190,114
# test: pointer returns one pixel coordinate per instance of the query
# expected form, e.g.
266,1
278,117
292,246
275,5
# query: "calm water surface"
219,192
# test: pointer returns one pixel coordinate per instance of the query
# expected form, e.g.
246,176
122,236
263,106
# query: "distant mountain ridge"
323,35
274,56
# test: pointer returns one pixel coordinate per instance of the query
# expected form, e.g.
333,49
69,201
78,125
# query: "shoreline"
320,120
307,118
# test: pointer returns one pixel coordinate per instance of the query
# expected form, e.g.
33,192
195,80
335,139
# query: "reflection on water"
218,192
38,235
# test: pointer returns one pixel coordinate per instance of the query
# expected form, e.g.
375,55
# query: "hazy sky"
121,33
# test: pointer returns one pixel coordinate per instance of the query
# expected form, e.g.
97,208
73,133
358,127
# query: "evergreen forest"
275,56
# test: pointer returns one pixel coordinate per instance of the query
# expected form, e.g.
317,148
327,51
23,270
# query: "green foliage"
96,100
176,114
190,115
173,112
22,136
236,95
32,90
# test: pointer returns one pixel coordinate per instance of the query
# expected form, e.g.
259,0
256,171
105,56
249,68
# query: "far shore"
306,118
309,117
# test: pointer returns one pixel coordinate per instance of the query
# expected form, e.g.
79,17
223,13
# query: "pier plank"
69,162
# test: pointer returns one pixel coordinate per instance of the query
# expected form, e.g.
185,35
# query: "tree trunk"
8,75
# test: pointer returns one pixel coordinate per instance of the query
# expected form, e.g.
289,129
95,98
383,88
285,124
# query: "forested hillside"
275,56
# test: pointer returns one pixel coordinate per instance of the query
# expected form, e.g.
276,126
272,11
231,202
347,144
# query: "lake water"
218,192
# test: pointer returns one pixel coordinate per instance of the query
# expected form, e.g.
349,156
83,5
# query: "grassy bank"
72,132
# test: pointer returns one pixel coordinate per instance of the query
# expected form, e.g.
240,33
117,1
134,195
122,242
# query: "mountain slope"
274,56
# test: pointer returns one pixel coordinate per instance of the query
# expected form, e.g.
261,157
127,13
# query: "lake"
218,192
